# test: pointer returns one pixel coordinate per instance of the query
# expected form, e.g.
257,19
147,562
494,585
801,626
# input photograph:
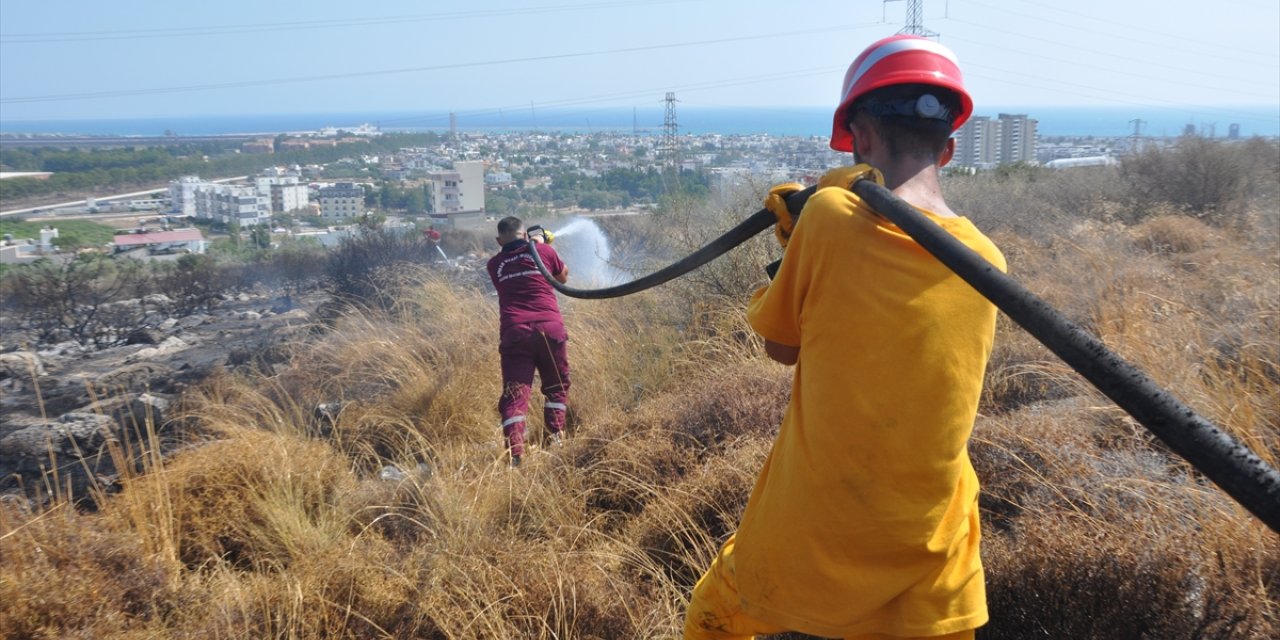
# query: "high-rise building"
1017,138
977,143
984,143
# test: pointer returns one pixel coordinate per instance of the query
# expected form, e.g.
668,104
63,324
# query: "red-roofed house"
176,241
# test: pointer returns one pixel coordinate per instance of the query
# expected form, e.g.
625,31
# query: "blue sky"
137,58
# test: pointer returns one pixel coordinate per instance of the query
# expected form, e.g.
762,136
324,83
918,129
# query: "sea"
1094,121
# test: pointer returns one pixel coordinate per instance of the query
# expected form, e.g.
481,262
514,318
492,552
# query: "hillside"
359,489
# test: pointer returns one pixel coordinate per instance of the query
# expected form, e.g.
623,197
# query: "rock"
76,430
157,300
134,409
295,315
63,395
142,376
250,315
145,335
21,365
68,348
72,450
168,324
194,320
170,345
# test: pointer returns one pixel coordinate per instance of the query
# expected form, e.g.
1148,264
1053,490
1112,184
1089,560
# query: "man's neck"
916,182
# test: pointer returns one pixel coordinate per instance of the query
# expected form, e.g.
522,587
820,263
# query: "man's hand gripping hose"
776,202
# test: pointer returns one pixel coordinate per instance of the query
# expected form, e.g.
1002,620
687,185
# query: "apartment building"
457,195
976,143
289,197
283,190
985,143
223,203
227,203
342,200
182,193
1017,138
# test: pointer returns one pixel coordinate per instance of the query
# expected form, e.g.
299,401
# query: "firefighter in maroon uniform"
532,334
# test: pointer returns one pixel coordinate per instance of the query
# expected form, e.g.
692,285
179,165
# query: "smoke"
585,249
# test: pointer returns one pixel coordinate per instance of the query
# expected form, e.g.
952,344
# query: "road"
75,203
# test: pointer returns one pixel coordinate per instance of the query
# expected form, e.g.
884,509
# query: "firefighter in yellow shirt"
864,521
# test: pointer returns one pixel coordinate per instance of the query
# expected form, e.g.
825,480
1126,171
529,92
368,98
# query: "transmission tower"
670,144
1136,138
915,19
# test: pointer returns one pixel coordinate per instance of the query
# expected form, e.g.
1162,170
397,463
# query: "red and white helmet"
900,59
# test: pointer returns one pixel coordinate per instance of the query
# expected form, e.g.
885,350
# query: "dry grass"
272,520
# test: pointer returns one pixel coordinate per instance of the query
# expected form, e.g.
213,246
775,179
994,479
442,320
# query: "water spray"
1231,465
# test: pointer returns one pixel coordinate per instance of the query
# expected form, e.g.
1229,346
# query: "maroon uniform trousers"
526,348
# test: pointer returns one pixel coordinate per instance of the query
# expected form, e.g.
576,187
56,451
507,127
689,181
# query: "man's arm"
782,353
563,276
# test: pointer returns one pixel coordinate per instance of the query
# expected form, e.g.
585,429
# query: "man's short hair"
509,225
907,134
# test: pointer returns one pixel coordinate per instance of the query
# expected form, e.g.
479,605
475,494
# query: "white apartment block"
223,203
976,143
232,203
342,200
289,197
471,184
457,196
182,193
1017,138
985,143
446,190
283,190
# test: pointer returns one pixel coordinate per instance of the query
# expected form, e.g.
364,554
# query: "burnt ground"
61,405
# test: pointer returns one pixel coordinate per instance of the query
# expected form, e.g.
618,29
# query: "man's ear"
864,136
948,152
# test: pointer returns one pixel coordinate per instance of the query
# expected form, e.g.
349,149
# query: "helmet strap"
925,106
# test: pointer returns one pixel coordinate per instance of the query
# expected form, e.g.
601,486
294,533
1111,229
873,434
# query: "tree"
84,299
415,201
260,236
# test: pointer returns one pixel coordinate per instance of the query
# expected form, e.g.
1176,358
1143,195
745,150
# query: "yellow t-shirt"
865,517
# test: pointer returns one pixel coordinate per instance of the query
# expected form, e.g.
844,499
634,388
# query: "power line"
1113,96
1127,37
183,32
67,97
637,93
1112,70
1179,38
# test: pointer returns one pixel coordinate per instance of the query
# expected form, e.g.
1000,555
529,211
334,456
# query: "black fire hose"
1220,457
1228,463
759,221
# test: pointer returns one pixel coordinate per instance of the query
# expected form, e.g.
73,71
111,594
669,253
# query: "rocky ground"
61,405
